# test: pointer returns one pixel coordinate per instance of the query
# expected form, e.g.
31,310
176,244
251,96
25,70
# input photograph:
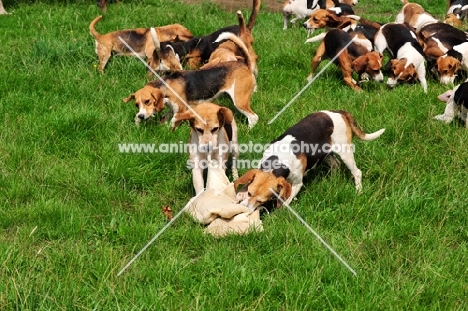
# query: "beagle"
415,16
213,135
233,48
407,62
300,148
196,51
354,58
326,19
304,8
457,104
448,64
457,12
138,39
191,87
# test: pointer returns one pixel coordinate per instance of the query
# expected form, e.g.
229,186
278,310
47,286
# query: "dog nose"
141,116
305,25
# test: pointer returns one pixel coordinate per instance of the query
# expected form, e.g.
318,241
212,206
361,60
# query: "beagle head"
447,66
401,72
324,18
207,123
370,64
453,20
148,100
257,190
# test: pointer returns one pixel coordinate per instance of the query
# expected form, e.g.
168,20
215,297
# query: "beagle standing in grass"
138,39
300,148
354,58
457,104
213,135
195,52
194,86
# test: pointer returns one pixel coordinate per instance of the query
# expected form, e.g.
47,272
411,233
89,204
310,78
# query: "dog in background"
301,9
457,12
355,57
213,135
138,39
301,147
196,51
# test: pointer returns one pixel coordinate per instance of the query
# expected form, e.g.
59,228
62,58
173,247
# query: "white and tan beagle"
298,149
456,104
213,136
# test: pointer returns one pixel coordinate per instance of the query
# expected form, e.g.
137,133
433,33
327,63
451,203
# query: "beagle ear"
360,64
246,178
225,116
158,100
132,96
285,192
180,117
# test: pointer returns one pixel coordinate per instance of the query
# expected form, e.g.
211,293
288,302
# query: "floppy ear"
360,64
246,178
132,96
412,72
225,116
285,192
158,99
180,117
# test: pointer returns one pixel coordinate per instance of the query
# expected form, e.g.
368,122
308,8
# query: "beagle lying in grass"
194,86
303,146
138,39
354,58
213,135
457,104
196,51
304,8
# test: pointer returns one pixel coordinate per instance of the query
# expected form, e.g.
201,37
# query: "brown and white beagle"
191,87
308,143
456,104
415,16
213,136
138,39
354,58
195,52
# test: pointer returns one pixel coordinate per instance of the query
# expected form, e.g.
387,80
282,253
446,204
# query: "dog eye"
250,194
199,130
147,102
215,129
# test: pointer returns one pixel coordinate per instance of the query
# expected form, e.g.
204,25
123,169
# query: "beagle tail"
92,30
240,44
357,130
154,35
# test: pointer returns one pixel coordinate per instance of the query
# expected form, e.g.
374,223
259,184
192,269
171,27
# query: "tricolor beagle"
196,51
138,39
213,135
354,58
304,8
194,86
457,104
407,62
300,148
457,12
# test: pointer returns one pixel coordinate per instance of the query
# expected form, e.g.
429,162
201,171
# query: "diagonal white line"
311,81
315,233
162,80
158,234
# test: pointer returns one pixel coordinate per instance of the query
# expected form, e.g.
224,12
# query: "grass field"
74,210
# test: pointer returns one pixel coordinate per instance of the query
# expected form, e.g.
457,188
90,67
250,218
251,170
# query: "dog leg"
346,154
316,60
104,53
197,176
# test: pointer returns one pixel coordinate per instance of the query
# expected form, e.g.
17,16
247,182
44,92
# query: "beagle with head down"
414,16
138,39
457,12
190,87
213,135
354,57
300,148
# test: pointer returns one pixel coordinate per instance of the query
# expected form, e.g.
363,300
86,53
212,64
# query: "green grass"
74,211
